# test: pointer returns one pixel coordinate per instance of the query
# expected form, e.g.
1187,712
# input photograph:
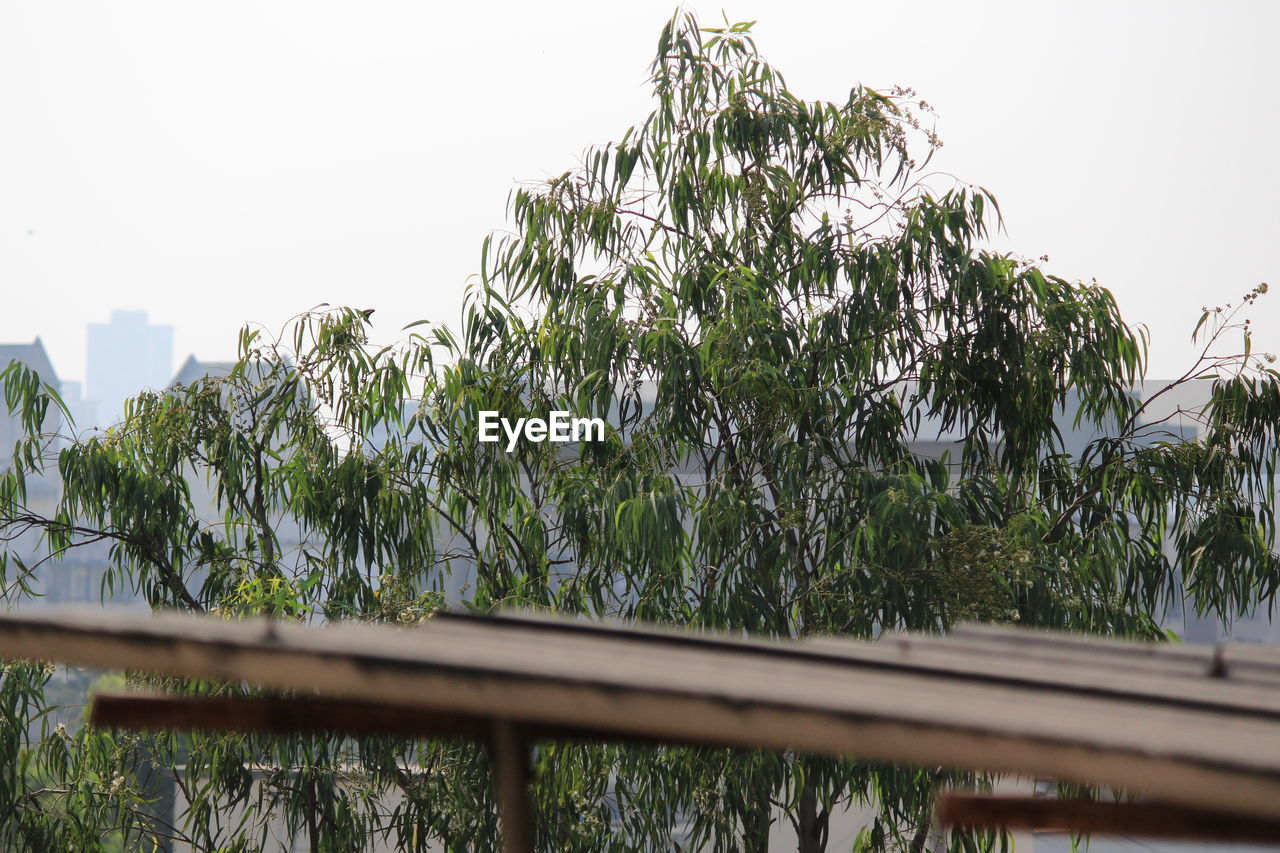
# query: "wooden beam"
282,715
1161,673
655,686
509,760
1086,817
275,715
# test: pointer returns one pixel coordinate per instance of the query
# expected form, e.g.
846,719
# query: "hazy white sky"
216,163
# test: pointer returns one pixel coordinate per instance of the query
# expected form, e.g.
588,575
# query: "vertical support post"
509,758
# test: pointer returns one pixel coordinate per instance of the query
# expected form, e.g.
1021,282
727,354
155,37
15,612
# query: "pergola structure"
1193,732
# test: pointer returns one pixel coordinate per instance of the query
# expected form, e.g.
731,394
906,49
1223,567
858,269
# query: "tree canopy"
831,409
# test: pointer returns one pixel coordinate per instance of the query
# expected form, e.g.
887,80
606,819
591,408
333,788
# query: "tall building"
43,490
33,355
126,356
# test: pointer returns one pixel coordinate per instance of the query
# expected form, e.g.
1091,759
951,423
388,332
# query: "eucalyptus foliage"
774,307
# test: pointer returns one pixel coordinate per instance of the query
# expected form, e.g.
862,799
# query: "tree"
770,305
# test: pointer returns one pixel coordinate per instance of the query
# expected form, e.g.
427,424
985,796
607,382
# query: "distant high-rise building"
33,355
126,356
43,490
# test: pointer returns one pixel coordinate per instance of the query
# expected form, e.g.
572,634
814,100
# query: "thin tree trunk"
812,823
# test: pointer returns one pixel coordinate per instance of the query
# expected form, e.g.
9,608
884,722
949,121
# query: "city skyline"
124,356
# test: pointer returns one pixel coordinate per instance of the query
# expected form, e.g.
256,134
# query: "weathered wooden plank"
1083,817
1238,662
668,691
276,715
145,711
509,758
1076,674
1182,675
1152,672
